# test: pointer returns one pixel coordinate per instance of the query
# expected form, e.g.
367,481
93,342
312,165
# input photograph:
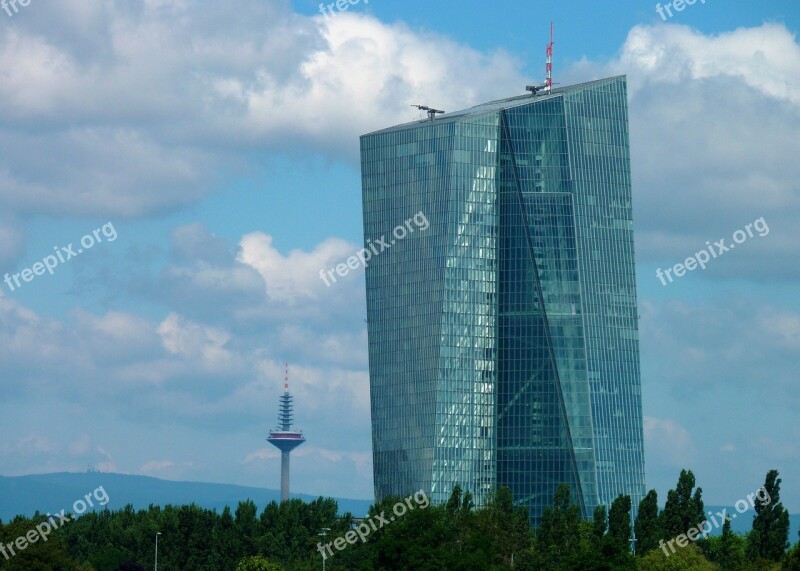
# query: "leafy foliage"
257,563
648,525
792,560
770,535
727,551
453,536
688,558
683,509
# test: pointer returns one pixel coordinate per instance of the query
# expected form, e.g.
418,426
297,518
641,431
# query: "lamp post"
324,534
157,534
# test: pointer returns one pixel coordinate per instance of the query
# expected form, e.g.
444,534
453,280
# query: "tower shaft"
284,476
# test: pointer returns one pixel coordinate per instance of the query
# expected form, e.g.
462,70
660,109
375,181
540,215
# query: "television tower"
284,438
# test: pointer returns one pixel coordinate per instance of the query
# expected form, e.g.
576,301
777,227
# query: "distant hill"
54,492
743,522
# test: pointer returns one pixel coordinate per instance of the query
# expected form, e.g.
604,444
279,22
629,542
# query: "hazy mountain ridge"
54,492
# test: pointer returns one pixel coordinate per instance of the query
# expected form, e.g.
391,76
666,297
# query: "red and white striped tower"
548,83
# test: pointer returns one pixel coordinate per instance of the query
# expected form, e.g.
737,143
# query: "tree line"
453,536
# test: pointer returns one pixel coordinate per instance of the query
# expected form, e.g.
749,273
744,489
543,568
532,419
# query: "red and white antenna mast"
548,83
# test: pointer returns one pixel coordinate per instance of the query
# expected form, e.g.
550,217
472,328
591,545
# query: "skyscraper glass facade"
503,340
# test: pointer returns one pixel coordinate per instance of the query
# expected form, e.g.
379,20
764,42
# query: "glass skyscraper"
503,339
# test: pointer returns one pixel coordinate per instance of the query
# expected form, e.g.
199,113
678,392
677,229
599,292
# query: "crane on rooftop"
431,111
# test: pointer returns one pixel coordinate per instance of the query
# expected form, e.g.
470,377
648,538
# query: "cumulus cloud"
262,454
732,345
668,442
711,120
196,342
764,58
323,466
218,371
296,276
138,108
368,70
12,241
132,109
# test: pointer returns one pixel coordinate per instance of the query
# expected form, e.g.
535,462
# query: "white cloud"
37,442
12,242
156,466
733,345
668,442
81,445
262,454
295,276
223,372
195,341
368,70
713,119
129,110
764,58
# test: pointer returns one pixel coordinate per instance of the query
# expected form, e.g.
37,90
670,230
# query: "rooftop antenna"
549,66
548,81
431,111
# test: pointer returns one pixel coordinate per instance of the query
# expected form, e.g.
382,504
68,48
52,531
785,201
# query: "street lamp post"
324,533
157,534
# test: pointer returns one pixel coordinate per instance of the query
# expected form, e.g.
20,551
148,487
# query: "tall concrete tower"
284,438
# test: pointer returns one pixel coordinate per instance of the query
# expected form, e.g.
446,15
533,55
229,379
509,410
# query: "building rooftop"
490,106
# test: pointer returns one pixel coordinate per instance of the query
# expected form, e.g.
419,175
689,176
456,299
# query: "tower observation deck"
283,437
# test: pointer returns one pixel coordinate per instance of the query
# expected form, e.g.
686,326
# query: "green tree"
558,535
727,550
616,544
599,524
38,556
246,524
421,539
619,523
688,558
227,543
501,531
770,536
683,509
258,563
792,560
110,558
647,525
459,518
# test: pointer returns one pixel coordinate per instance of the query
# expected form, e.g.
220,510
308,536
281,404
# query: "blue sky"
222,145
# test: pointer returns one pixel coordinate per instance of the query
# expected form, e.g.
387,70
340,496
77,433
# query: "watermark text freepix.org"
702,257
51,262
7,5
45,528
341,6
369,525
679,5
694,533
365,254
